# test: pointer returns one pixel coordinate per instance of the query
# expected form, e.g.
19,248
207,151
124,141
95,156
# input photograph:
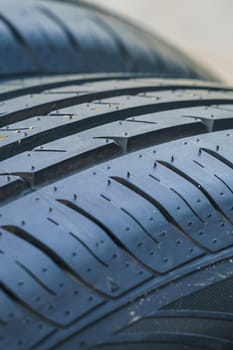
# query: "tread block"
195,171
19,87
36,281
36,131
148,245
179,211
28,330
74,154
21,108
73,250
11,185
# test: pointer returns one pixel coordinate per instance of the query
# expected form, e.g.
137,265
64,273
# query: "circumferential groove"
62,131
34,89
198,186
93,78
44,86
48,107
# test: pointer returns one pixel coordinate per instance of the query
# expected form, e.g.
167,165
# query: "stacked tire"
116,187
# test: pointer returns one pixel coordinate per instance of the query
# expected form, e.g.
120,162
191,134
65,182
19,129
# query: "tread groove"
139,224
187,203
187,177
27,308
224,183
157,205
102,226
41,341
89,250
49,107
51,254
50,291
18,37
52,16
121,47
218,157
13,149
33,89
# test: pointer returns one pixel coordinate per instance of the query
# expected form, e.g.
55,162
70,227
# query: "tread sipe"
116,214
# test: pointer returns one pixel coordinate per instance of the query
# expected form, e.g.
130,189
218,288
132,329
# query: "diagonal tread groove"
27,308
200,188
88,249
23,267
218,157
187,203
156,204
18,37
51,254
224,183
52,16
102,226
139,224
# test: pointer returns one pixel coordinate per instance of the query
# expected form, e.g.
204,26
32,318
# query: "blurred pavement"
201,28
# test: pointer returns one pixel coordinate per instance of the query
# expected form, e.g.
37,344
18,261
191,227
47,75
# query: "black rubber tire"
116,215
59,38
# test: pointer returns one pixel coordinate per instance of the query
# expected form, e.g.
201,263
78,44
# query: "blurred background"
201,28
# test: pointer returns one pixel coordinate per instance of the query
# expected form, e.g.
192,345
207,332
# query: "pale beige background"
202,28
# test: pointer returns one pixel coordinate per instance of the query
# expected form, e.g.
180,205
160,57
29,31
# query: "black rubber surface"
41,37
116,214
